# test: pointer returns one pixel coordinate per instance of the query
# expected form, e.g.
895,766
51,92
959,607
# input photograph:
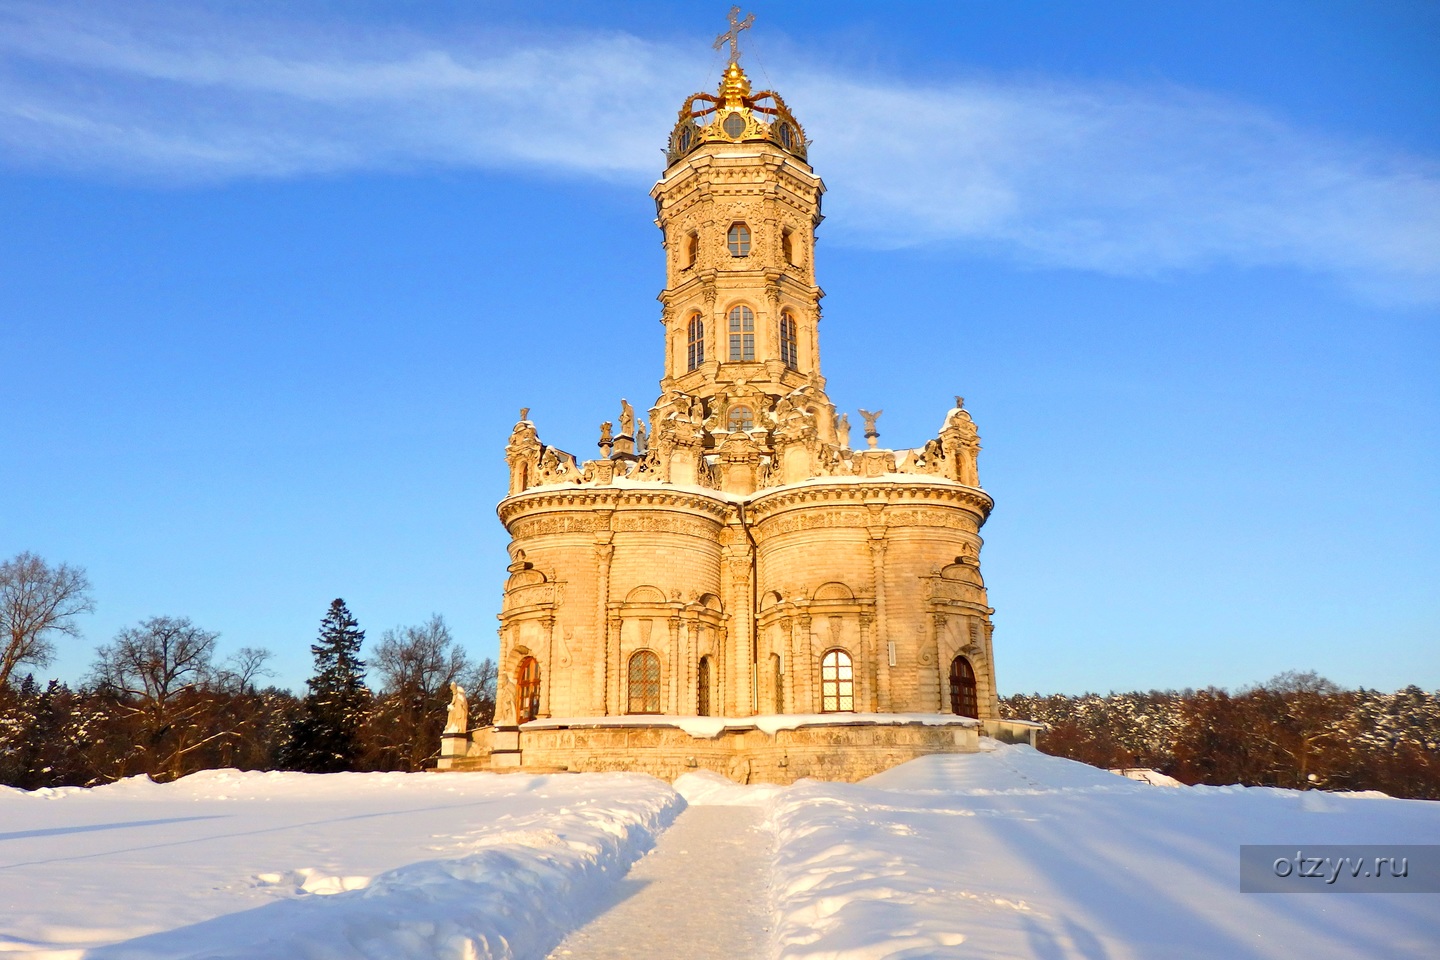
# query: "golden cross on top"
733,34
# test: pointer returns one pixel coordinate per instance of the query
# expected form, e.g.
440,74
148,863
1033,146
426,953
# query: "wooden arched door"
964,699
527,690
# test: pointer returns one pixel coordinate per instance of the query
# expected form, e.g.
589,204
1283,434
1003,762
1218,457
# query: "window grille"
695,350
788,352
742,334
702,688
644,682
738,240
837,682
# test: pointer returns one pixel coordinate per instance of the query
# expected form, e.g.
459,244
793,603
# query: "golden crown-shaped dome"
735,115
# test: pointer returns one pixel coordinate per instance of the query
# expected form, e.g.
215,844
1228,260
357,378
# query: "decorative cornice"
589,499
883,489
894,491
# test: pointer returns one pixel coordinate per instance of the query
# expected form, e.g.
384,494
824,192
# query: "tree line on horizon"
156,701
1297,730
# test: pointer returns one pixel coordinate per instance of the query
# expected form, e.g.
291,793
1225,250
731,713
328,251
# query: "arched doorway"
837,682
527,690
644,682
964,700
702,688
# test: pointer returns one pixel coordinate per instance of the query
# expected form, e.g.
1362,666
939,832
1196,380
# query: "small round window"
734,125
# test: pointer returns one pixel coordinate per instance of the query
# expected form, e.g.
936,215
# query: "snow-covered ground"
1006,853
1011,853
290,865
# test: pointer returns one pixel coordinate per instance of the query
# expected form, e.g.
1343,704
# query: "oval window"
734,124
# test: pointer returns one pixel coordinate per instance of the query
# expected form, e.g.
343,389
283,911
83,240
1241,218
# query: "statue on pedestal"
458,719
872,435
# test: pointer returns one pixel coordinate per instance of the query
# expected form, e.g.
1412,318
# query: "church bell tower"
738,206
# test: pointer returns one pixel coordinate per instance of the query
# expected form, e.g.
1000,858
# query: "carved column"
691,699
886,693
678,666
814,338
741,641
548,624
787,638
604,552
993,701
870,659
941,671
720,673
807,666
619,702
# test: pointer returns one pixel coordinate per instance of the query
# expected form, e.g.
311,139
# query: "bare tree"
240,671
36,602
161,675
480,682
420,660
416,666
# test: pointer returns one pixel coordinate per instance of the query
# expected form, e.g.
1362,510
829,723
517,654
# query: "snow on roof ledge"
710,727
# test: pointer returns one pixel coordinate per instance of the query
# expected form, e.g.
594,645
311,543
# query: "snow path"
701,893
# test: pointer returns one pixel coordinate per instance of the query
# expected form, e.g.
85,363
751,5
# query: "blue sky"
275,279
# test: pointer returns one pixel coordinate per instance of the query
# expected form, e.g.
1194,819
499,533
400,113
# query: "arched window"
739,417
527,690
787,136
738,240
964,701
692,249
837,682
695,339
742,334
788,352
702,688
644,682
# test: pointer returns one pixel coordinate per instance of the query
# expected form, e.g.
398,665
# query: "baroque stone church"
732,554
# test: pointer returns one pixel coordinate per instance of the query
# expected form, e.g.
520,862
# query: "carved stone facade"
731,554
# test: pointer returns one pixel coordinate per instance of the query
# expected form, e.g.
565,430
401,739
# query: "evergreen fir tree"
326,737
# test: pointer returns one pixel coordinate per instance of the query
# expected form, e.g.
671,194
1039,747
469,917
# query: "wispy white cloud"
1096,177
